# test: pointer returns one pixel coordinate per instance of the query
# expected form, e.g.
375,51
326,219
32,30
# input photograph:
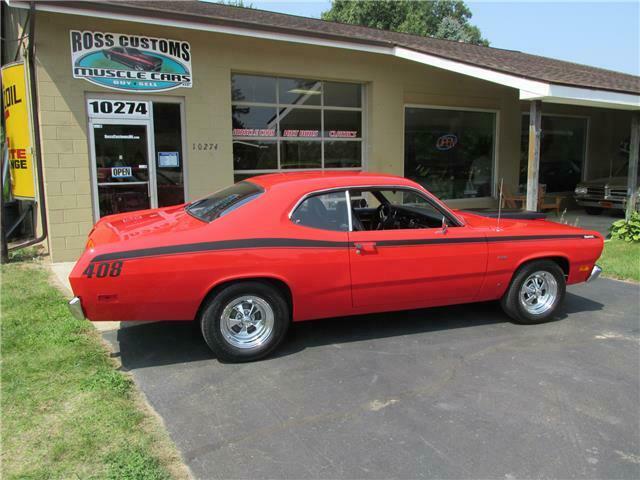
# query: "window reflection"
450,152
299,92
562,152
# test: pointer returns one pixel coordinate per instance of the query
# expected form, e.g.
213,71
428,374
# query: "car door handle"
365,247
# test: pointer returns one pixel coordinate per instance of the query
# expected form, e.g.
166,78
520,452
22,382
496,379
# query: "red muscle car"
134,58
250,259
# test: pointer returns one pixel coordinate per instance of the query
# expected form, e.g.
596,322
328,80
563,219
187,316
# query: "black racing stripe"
219,245
303,243
535,237
444,240
429,241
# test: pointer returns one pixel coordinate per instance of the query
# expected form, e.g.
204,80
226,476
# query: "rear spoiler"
509,215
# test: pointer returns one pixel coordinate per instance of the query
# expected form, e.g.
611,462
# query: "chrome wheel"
539,292
247,322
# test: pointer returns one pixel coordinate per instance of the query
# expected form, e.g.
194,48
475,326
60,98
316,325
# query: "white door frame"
151,164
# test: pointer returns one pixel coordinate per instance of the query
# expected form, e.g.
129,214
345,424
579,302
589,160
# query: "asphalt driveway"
441,393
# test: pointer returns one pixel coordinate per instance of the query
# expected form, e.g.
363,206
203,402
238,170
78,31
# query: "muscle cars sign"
130,63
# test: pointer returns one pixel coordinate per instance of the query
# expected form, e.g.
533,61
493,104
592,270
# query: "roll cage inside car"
376,190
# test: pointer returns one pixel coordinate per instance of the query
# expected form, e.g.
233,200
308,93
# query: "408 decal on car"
103,269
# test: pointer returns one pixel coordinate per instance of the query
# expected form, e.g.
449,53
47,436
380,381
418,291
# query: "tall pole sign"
18,131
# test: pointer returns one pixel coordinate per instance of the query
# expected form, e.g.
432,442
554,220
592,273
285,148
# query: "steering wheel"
386,216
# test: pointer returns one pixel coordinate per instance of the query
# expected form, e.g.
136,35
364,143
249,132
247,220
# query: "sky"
602,34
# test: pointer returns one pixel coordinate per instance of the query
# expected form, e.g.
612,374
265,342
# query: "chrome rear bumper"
75,307
595,273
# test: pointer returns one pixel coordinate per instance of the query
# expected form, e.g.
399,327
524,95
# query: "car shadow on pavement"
166,343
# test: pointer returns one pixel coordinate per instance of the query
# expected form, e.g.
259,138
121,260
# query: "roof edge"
529,88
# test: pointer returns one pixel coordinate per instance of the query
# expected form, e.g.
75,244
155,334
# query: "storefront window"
450,152
168,144
300,155
294,123
255,155
251,88
300,122
253,121
342,154
296,91
562,151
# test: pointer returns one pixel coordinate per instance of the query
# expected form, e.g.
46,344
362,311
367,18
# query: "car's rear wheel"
593,210
245,321
535,292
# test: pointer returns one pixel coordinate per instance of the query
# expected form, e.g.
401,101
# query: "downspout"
35,114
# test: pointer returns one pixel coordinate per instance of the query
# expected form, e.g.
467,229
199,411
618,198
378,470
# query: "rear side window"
224,201
327,211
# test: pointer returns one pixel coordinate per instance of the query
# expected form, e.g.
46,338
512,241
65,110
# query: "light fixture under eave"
302,91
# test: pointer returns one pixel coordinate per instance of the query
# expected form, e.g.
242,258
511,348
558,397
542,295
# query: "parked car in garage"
250,259
134,58
601,193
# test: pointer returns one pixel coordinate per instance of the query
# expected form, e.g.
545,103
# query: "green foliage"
236,3
628,231
25,254
438,18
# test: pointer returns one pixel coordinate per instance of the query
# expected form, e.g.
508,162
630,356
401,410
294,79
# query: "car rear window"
224,201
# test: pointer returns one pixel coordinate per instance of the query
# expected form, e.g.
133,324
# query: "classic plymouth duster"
250,259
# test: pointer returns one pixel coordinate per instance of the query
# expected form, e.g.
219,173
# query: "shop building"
149,104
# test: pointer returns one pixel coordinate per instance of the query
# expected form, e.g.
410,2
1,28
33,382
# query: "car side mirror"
445,225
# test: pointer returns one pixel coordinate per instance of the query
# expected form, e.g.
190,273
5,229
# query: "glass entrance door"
123,173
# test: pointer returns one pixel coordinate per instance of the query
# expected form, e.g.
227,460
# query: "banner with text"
18,130
131,63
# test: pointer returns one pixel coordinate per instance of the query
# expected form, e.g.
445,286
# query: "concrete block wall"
66,162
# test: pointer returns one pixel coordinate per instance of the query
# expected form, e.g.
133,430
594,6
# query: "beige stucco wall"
390,84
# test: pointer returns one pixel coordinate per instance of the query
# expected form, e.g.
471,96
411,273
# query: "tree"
437,18
236,3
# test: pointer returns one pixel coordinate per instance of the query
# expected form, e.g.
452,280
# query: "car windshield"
224,201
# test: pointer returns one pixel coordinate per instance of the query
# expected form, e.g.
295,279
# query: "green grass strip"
67,412
621,260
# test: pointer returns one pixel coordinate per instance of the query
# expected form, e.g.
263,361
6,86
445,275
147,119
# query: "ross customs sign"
130,63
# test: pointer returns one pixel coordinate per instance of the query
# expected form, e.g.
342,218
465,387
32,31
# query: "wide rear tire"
245,321
535,292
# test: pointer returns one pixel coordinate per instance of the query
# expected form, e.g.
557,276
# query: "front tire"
245,321
535,292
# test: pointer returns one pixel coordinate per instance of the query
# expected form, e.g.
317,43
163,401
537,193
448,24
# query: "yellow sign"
18,130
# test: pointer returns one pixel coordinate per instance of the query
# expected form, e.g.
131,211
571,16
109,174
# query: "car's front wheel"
245,321
535,292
